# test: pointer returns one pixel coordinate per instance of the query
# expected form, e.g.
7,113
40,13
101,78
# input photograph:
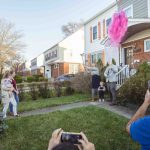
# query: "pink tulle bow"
118,28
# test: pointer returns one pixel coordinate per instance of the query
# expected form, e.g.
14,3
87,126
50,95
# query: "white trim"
148,8
130,6
145,50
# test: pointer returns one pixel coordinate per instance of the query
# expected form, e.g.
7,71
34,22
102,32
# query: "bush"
18,79
82,82
42,79
21,92
58,88
134,89
44,90
30,79
33,91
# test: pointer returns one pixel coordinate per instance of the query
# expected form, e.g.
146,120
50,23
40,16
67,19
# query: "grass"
50,102
105,129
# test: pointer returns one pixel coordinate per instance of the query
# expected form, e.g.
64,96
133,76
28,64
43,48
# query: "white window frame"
145,50
130,6
148,8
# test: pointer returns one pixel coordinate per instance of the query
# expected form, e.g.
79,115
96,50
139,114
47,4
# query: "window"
129,11
149,8
108,21
99,56
147,45
94,32
93,58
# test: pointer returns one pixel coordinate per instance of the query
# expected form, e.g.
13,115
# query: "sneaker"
103,100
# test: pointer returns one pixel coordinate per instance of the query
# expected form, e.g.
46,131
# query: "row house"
96,31
24,69
65,56
135,46
37,65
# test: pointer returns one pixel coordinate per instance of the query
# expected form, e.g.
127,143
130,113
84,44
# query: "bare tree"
15,62
10,44
71,27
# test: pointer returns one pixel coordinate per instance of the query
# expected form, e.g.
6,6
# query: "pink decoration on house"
118,28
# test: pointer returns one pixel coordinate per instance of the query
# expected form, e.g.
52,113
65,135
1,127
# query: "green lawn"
105,129
50,102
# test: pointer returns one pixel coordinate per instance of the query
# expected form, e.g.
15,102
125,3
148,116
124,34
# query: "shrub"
44,90
29,79
58,88
82,82
42,79
3,126
135,87
21,92
33,90
18,79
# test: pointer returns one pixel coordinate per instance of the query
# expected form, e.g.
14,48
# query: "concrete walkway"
120,110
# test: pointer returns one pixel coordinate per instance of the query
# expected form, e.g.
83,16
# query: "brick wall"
138,53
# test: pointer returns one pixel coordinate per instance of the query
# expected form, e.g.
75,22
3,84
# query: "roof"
101,12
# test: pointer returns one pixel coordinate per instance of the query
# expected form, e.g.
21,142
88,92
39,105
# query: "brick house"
135,47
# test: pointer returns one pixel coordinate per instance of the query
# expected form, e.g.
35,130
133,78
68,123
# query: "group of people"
9,94
98,86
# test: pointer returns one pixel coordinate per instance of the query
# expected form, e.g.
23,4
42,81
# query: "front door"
128,56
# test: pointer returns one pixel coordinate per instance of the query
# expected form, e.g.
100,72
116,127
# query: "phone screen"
71,137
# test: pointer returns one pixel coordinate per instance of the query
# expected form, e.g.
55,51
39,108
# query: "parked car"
64,77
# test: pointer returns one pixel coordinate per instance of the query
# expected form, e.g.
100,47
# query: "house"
65,56
135,46
37,65
96,31
24,69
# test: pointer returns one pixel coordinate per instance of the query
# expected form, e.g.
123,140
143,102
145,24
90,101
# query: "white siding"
73,46
96,46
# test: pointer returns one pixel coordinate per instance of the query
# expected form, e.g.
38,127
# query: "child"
101,90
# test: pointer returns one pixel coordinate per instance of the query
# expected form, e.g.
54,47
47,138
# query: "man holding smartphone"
56,144
139,125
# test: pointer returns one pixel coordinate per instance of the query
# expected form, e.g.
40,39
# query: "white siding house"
37,65
65,56
96,30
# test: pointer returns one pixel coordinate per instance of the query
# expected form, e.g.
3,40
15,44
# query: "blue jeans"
17,101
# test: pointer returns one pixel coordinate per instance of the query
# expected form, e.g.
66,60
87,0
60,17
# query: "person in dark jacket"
95,85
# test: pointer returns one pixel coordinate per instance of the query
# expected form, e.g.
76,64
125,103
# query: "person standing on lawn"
95,80
15,91
111,80
139,125
7,95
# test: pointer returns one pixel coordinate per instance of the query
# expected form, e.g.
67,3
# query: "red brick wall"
139,54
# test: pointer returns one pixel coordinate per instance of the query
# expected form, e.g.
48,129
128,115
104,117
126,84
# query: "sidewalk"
120,110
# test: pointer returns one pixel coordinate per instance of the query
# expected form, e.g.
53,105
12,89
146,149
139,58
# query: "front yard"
105,129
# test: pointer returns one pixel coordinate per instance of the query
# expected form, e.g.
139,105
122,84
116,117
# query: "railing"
122,76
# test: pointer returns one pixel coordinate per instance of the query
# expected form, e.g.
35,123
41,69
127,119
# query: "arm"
106,72
140,112
114,69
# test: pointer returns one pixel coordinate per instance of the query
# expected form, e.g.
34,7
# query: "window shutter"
104,28
99,30
91,34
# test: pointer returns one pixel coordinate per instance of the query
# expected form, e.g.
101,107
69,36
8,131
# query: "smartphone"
71,137
149,85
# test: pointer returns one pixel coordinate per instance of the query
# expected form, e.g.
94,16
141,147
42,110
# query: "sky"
40,21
